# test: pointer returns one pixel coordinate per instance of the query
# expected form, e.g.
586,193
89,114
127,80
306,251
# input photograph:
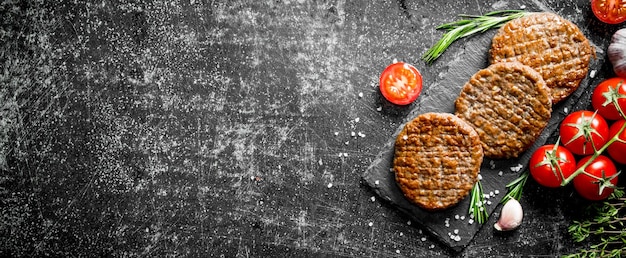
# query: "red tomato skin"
617,150
610,14
580,145
609,112
586,186
544,175
393,70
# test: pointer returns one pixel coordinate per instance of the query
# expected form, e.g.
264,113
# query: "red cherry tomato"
401,83
617,149
604,95
609,11
583,131
548,163
589,187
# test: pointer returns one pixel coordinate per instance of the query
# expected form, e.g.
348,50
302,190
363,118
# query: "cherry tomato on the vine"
550,164
609,11
599,185
605,94
582,132
617,149
400,83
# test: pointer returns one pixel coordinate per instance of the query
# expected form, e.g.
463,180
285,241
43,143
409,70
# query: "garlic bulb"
510,216
617,52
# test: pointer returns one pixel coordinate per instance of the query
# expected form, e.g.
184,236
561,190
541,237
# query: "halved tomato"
609,11
401,83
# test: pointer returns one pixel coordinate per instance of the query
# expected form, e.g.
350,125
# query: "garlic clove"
510,216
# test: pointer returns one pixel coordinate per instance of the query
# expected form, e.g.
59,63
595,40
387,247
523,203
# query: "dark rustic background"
228,128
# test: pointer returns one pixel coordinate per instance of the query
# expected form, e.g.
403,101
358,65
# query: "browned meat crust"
437,160
548,43
508,105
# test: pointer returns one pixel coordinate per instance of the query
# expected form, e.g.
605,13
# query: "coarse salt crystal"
496,191
371,224
462,217
377,182
565,109
336,133
360,94
408,222
470,221
457,216
480,177
592,73
456,231
423,239
379,109
357,119
330,185
457,238
352,134
500,173
405,137
397,251
373,199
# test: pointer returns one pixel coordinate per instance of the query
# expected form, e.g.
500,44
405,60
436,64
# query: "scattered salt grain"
462,217
379,109
488,202
592,74
408,222
336,133
522,7
500,173
360,134
330,185
492,193
480,177
431,246
347,142
401,234
405,137
371,224
565,109
352,134
492,164
456,231
397,251
356,120
457,216
496,191
470,221
377,182
360,94
517,168
373,199
423,239
457,238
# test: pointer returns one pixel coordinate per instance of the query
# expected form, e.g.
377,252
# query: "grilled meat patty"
508,104
437,160
548,43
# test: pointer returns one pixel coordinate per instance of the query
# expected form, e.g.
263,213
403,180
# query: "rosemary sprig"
477,209
469,25
607,225
516,187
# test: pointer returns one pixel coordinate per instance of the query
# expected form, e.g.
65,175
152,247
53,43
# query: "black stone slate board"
439,97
